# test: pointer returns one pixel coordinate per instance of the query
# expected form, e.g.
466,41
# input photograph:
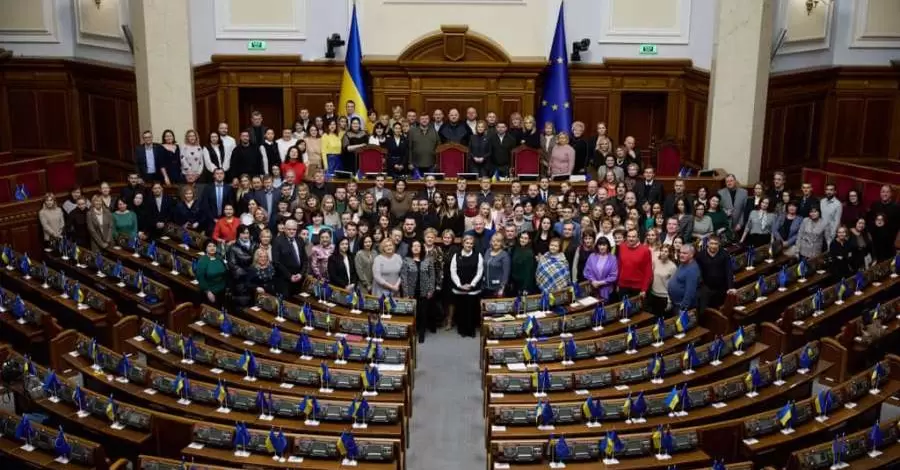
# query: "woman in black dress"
341,267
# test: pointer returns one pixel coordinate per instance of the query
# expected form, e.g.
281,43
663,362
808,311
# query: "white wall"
38,28
682,29
301,27
837,32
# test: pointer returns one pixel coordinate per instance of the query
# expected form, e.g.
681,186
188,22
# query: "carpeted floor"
447,428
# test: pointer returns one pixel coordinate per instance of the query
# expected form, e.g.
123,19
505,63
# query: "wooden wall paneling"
694,148
848,126
24,127
54,116
20,228
877,129
865,110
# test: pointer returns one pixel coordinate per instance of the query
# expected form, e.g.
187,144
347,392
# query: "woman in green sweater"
720,220
212,274
523,266
124,221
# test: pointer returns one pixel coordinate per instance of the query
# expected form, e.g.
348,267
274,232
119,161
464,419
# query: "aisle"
447,430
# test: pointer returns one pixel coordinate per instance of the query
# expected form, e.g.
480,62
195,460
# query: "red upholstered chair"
526,160
370,159
668,160
815,177
843,184
61,176
451,159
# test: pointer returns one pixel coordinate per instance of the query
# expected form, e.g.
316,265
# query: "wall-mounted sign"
648,49
256,45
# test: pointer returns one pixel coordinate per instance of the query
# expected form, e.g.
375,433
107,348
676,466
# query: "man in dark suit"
807,200
672,199
160,208
214,198
289,256
257,130
428,191
455,131
650,190
147,158
267,197
501,145
133,187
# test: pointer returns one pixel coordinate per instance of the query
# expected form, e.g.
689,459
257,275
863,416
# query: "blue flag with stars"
556,103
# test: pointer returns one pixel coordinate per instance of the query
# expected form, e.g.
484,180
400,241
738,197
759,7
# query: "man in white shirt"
471,118
286,141
438,120
228,142
831,212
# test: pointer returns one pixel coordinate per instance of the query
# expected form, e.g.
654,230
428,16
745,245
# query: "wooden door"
268,101
643,117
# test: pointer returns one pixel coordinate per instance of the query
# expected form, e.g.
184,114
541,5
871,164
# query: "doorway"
643,117
268,101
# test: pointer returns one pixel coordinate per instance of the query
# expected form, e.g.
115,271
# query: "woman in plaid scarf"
553,269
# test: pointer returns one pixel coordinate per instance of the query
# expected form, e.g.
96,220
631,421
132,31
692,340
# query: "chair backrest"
526,160
370,159
668,159
842,184
452,159
871,193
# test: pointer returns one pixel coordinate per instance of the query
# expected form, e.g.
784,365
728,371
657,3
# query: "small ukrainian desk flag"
556,102
352,85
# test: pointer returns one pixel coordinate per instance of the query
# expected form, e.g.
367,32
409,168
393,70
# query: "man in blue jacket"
684,283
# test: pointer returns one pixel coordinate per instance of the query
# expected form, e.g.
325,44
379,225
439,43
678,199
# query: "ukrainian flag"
352,87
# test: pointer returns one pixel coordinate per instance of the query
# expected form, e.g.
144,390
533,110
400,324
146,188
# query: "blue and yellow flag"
221,394
822,402
672,399
785,415
556,102
779,368
352,85
111,409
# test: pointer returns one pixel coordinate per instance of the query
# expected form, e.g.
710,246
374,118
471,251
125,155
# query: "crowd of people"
273,216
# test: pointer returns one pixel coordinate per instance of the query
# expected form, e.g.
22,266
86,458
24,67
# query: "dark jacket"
140,160
240,260
128,193
286,261
208,201
185,214
458,133
76,227
261,199
337,272
842,258
716,270
501,152
244,160
397,153
652,192
479,146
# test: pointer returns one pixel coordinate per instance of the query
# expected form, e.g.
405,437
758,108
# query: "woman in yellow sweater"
331,148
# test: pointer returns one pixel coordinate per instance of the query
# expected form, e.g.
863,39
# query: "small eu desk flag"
352,85
556,102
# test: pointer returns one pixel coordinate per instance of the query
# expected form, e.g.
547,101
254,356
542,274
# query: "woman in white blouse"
286,141
214,156
191,155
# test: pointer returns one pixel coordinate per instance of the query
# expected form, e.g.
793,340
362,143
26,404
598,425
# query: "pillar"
162,66
738,87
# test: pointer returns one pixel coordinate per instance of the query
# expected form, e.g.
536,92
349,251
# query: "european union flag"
309,406
21,192
599,317
261,403
531,327
556,103
544,414
275,338
639,406
51,383
23,429
18,308
875,435
715,348
560,449
782,278
806,357
822,402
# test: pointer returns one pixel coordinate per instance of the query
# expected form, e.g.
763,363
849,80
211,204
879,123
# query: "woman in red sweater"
294,161
635,266
227,225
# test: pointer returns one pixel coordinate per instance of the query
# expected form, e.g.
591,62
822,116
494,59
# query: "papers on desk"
719,405
391,367
497,395
516,366
740,308
586,302
150,391
216,370
501,466
750,441
295,459
491,341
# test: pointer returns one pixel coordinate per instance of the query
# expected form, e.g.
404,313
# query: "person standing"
418,280
733,198
496,267
716,272
663,270
364,260
523,265
683,285
99,224
423,141
212,274
635,266
386,270
501,146
466,270
291,262
52,219
830,209
602,270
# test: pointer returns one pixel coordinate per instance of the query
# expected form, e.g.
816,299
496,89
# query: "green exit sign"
648,49
256,45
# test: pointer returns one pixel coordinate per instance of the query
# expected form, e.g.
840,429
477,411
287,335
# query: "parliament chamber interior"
449,234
